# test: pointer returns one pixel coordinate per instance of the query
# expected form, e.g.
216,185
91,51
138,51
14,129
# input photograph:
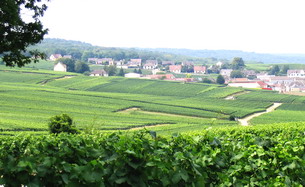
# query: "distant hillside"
83,51
230,54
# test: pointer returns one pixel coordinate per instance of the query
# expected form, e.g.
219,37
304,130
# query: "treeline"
82,51
249,57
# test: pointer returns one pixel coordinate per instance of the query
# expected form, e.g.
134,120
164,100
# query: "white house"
150,64
60,67
250,84
280,80
103,60
119,63
54,57
132,75
93,60
99,73
219,64
134,63
226,72
264,76
199,69
296,73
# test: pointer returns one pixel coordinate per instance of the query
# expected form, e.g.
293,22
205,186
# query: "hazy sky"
268,26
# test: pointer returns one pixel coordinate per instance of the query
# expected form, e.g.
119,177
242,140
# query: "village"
292,82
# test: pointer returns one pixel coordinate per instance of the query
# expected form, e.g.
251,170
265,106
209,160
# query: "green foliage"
284,70
220,79
274,70
206,80
121,72
62,123
70,63
17,34
187,69
81,67
232,118
263,156
111,70
237,74
237,63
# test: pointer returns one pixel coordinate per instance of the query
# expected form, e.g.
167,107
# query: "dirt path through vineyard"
245,121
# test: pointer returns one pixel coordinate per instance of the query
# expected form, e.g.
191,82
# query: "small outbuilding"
60,67
132,75
101,72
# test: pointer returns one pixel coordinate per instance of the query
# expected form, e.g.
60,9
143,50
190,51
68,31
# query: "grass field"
30,97
266,67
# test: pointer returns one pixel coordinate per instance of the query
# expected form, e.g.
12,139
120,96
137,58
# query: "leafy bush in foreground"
62,123
252,156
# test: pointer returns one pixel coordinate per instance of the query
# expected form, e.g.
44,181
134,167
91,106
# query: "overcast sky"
266,26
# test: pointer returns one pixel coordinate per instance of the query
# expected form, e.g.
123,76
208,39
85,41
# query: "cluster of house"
155,75
149,64
293,82
55,57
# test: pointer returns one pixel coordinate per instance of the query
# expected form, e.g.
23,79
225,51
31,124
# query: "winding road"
245,121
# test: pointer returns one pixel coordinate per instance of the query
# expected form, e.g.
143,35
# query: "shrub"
206,80
62,123
220,79
232,118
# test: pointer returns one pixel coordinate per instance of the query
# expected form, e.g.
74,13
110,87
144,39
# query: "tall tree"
70,63
236,74
285,68
274,70
237,63
16,34
121,73
81,67
220,79
111,70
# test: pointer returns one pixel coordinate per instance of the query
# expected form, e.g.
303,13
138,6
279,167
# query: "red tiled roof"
136,60
199,68
175,67
262,84
57,55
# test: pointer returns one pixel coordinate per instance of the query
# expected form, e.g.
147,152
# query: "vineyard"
254,156
30,98
146,133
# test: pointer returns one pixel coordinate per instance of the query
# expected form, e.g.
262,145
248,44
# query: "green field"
138,132
30,97
266,67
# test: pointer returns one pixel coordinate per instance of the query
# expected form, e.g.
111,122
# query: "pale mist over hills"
229,54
